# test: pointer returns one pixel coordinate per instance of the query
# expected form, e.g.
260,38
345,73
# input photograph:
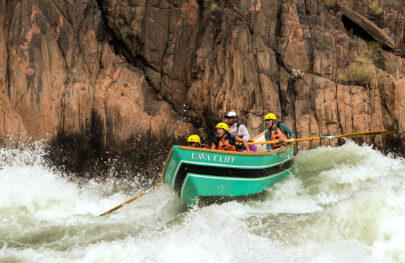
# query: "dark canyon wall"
124,74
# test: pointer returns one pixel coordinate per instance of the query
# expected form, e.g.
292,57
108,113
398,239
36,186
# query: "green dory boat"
195,172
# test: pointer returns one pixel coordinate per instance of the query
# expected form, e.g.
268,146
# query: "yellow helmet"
194,138
222,125
270,116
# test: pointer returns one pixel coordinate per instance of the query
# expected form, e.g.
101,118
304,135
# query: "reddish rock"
292,46
399,104
126,73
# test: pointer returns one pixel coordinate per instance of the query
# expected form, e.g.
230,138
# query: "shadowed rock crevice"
107,33
376,33
355,29
156,77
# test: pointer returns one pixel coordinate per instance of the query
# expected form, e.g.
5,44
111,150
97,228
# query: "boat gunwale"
283,149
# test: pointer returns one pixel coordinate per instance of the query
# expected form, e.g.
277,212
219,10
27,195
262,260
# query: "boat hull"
195,173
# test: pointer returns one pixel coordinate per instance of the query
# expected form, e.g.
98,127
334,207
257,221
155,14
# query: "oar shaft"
130,200
348,135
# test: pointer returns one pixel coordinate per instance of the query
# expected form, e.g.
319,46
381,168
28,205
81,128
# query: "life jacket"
277,135
228,145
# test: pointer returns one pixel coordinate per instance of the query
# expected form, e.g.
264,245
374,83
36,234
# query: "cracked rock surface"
121,72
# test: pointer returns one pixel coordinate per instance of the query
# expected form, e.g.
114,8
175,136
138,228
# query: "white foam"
340,204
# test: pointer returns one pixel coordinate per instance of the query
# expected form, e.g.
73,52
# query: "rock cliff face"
122,74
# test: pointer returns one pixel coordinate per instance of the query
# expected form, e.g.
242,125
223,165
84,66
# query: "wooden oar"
347,135
130,200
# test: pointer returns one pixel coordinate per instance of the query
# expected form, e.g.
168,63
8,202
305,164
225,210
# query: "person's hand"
281,141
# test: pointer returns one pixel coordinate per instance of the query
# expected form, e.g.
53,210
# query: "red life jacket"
277,135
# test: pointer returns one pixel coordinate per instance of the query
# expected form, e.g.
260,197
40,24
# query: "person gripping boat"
238,128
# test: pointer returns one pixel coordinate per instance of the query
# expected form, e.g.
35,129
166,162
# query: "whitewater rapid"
343,204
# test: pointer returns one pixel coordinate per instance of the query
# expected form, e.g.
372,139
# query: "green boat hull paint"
193,173
196,185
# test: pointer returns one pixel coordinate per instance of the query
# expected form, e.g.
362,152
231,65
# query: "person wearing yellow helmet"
195,141
226,141
276,131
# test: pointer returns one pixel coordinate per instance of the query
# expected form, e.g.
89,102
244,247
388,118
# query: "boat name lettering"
200,156
171,166
224,158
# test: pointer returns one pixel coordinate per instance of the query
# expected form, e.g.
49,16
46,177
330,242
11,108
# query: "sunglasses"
267,120
191,143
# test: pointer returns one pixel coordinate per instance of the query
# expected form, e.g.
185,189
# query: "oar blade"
368,133
111,210
130,200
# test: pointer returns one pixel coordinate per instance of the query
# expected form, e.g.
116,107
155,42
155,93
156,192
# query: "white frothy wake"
341,204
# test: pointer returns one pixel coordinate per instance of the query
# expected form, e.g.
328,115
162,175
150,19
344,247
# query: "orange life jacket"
227,144
277,135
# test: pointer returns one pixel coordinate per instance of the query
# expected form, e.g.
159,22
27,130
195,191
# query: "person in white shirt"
239,129
236,127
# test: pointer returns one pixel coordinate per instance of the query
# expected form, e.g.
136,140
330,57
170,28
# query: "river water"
343,204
